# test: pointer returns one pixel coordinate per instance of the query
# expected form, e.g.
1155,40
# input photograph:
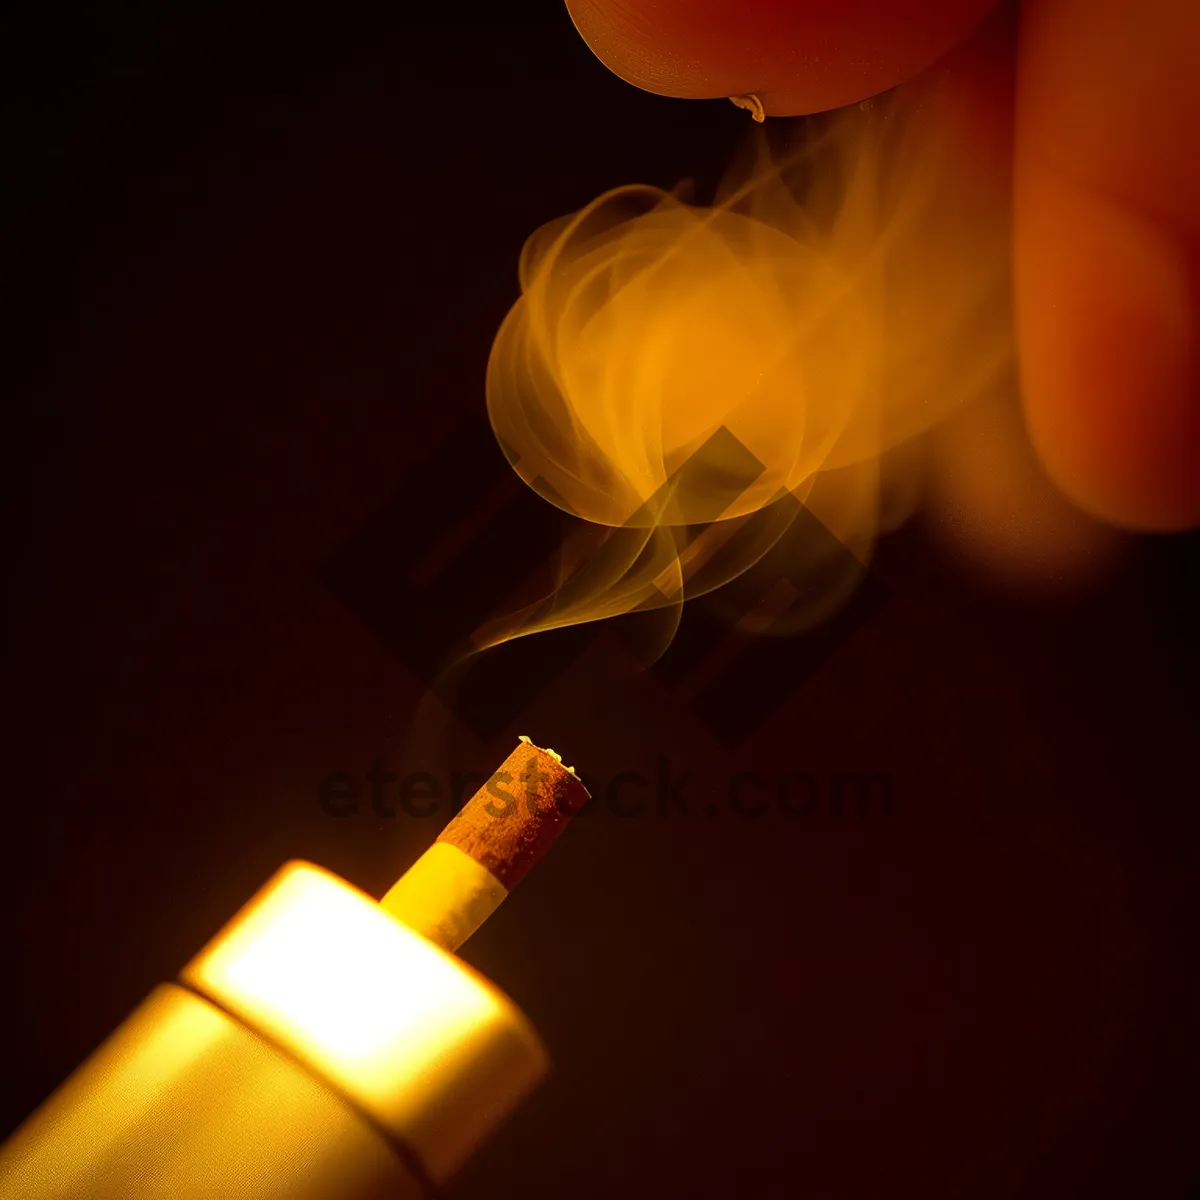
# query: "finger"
797,56
1108,252
988,499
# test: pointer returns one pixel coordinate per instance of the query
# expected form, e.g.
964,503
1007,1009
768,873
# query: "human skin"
1103,99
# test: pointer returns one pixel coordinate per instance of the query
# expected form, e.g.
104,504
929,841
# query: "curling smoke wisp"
685,378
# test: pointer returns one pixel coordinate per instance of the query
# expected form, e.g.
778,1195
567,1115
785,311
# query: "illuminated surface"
183,1101
353,1057
430,1050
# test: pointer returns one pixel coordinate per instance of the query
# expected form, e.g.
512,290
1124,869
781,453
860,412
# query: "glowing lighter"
318,1047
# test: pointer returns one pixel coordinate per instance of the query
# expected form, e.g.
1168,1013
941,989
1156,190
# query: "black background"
258,258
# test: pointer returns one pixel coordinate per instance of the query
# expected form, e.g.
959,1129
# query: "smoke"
689,380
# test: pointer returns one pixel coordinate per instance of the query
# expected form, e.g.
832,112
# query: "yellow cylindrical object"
316,1048
445,896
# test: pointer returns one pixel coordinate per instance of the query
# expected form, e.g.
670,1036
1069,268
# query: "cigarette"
360,1059
488,847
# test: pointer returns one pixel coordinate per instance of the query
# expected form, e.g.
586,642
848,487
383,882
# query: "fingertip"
1108,253
796,56
1107,325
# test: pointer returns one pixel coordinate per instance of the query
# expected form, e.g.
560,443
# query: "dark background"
257,258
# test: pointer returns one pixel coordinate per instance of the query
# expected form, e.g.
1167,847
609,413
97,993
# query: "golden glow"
838,299
332,1010
172,1042
445,895
990,499
316,965
399,1026
184,1101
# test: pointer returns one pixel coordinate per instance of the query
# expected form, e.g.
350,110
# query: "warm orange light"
182,1100
837,300
991,500
320,1049
397,1024
318,968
